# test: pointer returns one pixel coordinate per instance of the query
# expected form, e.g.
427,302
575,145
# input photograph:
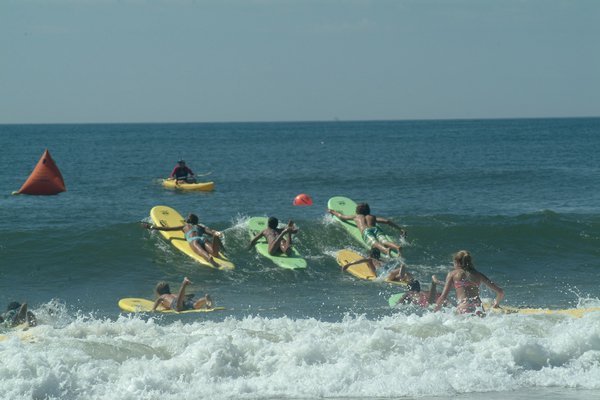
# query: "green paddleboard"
347,206
395,299
293,261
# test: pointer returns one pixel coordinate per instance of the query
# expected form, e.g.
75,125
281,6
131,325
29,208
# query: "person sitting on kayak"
179,302
371,233
279,240
182,172
203,240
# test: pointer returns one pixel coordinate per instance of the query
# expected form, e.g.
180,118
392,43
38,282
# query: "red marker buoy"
45,179
303,200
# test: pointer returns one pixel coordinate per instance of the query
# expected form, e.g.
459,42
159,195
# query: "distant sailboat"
45,179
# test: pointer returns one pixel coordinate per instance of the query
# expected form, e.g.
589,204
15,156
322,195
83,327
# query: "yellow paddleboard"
182,185
19,331
572,312
167,217
362,270
132,304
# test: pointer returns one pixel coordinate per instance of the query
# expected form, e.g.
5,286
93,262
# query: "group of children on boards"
464,277
207,243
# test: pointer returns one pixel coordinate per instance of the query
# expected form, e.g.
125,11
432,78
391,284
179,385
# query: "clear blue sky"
267,60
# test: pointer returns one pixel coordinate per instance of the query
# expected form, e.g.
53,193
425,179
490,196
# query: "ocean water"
522,195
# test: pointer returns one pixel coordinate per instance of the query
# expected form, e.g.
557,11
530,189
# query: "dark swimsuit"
187,305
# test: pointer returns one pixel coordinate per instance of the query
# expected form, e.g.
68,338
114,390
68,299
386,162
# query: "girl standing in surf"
466,281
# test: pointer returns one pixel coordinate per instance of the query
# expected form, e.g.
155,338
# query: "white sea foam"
396,356
238,224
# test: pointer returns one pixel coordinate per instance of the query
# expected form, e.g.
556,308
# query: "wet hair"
163,288
13,305
414,286
375,253
192,219
273,222
363,209
464,260
180,162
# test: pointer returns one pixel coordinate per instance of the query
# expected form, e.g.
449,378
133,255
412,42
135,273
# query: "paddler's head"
273,222
463,260
363,209
181,163
192,219
414,286
162,288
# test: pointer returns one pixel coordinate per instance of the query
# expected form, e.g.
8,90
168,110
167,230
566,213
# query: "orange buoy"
303,200
45,179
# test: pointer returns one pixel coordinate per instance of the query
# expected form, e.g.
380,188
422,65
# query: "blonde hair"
464,260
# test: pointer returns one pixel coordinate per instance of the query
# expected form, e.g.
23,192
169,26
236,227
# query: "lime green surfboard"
347,206
132,304
293,261
395,299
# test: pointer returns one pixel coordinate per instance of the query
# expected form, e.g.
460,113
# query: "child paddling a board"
371,233
179,302
279,240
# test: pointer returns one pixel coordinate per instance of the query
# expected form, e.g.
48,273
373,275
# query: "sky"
120,61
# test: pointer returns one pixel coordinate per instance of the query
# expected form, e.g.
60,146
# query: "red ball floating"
303,200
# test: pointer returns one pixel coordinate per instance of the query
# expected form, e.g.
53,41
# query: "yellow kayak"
181,185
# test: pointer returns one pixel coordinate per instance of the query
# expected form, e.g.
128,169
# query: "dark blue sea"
523,196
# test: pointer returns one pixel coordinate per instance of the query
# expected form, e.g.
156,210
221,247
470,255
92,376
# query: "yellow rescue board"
573,312
362,270
167,217
132,304
182,185
19,331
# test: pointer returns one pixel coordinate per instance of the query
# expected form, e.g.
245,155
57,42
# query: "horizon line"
333,121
